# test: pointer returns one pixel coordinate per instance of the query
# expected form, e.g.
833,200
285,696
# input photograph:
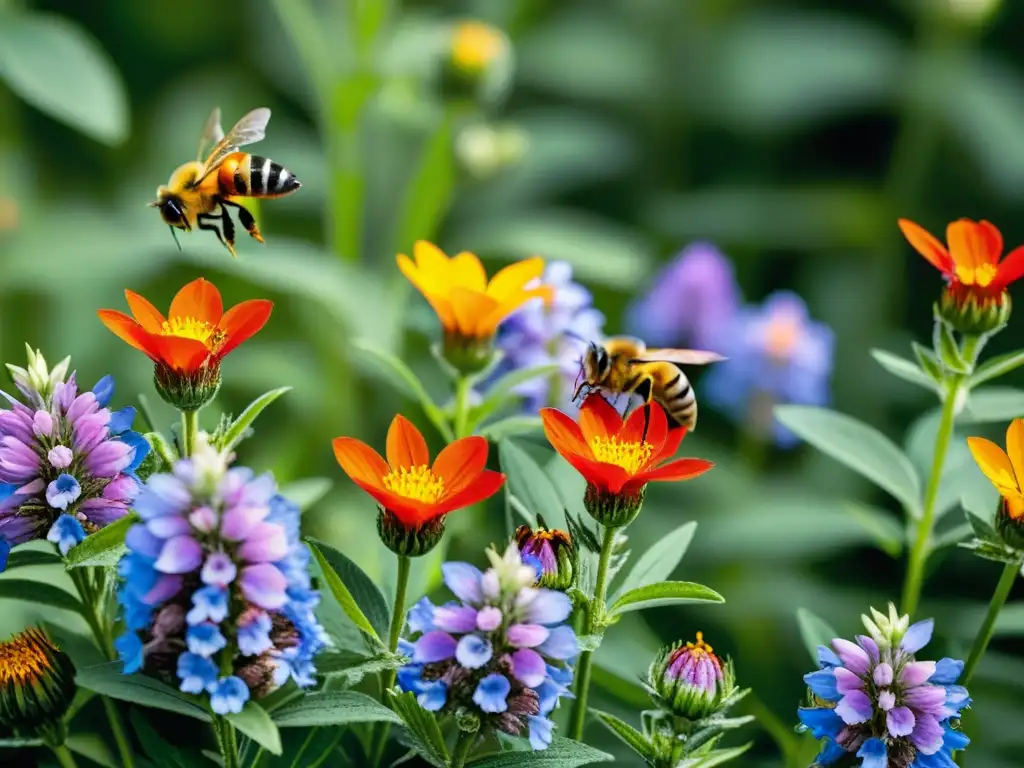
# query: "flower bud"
613,510
886,630
187,390
690,680
466,355
1009,527
479,62
37,684
551,552
409,541
970,312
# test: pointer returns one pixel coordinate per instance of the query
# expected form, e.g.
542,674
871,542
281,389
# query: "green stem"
596,613
189,431
462,390
64,756
922,539
988,626
463,747
397,622
226,742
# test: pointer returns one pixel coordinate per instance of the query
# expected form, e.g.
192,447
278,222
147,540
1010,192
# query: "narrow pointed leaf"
996,367
38,592
630,735
22,558
903,369
563,753
884,528
422,728
240,426
306,492
255,723
513,426
658,562
530,484
109,680
357,595
664,593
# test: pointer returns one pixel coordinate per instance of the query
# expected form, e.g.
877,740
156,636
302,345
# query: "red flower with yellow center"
617,457
976,276
415,494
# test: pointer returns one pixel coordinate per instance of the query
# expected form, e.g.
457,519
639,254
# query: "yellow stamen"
980,275
700,647
632,457
417,483
25,658
190,328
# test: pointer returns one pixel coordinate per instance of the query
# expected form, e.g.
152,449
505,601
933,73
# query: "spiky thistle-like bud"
37,684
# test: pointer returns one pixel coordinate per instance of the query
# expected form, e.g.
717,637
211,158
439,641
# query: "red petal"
653,417
680,469
483,487
461,463
610,477
360,461
242,322
182,354
1011,268
409,511
199,299
149,317
406,446
598,418
927,245
668,449
564,434
130,331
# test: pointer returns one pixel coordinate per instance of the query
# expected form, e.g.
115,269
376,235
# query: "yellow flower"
1005,469
469,306
475,45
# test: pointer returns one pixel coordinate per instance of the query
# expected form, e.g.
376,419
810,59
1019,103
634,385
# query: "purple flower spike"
455,618
180,555
434,646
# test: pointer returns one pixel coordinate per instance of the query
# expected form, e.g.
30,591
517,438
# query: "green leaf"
357,595
306,492
860,447
401,377
15,743
953,536
161,448
421,725
928,361
109,680
947,348
240,426
22,558
513,426
59,68
351,668
103,548
630,735
38,592
530,485
996,367
658,562
883,527
993,404
814,631
712,759
563,753
255,723
429,191
333,708
903,368
501,391
664,593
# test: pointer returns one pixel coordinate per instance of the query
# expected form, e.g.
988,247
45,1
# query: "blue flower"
209,604
473,651
130,651
66,532
5,552
63,491
421,616
197,674
541,732
228,696
254,637
491,694
205,639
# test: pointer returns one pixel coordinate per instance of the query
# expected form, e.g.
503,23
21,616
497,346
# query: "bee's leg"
644,389
247,219
215,222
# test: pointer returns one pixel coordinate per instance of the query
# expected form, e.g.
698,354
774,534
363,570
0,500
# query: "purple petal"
926,698
109,458
528,667
103,512
882,675
139,539
488,619
886,700
526,635
166,587
60,457
238,522
168,526
203,519
916,673
434,646
180,555
927,735
83,405
266,543
918,636
900,721
90,431
264,585
855,707
455,618
846,681
124,489
219,570
869,645
463,580
854,657
548,607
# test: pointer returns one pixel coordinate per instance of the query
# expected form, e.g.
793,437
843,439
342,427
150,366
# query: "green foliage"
254,722
814,631
663,593
422,729
358,596
333,708
103,548
529,485
241,427
563,753
39,592
110,680
658,562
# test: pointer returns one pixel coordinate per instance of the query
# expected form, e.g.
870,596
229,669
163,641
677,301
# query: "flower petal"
947,671
918,636
823,722
463,580
564,434
917,673
483,487
854,657
460,463
360,461
182,354
994,462
473,651
466,270
650,418
855,707
680,469
927,245
874,754
528,667
489,324
432,261
598,418
900,721
200,299
968,246
406,447
434,646
847,681
242,322
670,446
148,316
472,310
127,329
511,279
434,292
1015,446
823,684
1011,269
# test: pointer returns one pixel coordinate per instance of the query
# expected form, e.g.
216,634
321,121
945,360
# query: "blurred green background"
791,133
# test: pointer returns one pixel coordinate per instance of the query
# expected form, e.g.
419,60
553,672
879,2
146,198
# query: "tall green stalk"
64,756
227,742
596,612
988,626
380,739
463,748
189,431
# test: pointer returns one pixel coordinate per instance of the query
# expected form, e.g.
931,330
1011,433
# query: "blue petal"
541,732
954,741
823,684
874,753
822,721
548,608
141,446
947,671
409,677
957,698
121,421
104,390
918,636
433,695
828,658
463,580
491,695
534,562
130,651
5,551
7,490
830,753
473,651
561,644
421,616
229,696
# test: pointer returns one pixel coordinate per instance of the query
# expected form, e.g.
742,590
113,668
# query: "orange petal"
1015,447
467,271
668,449
1010,269
995,464
483,486
460,463
199,299
680,469
927,245
406,446
182,354
512,303
472,309
514,277
968,246
651,416
433,290
242,322
360,461
410,512
564,434
149,317
992,239
598,418
129,330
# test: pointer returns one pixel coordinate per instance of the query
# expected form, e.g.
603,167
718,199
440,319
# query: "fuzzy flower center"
976,274
632,457
24,658
417,483
191,328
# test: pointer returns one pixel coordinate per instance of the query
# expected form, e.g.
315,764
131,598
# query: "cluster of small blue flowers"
216,567
545,334
502,652
67,463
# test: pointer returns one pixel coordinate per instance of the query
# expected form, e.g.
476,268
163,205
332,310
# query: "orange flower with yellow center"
1005,469
412,492
475,45
617,457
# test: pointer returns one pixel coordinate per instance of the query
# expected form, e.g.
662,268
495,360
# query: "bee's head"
172,210
594,368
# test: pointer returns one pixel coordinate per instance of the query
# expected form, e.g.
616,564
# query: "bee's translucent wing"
250,129
212,134
680,356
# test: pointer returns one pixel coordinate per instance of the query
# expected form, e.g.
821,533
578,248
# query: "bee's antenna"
175,236
576,336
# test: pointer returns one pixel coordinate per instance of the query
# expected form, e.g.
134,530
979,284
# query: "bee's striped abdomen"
269,179
679,401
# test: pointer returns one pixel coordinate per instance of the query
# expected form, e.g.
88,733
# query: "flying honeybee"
624,365
199,193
